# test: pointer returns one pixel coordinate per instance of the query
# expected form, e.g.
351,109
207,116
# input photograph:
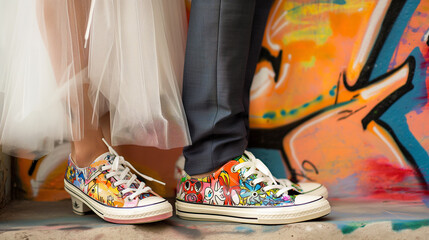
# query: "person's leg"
215,67
96,180
263,8
65,41
90,145
215,81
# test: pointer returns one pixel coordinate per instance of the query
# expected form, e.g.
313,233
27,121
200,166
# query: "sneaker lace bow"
120,169
256,167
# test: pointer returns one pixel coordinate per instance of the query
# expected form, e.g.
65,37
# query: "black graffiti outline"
273,138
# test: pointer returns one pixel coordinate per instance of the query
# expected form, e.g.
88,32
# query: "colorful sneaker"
108,188
244,190
310,188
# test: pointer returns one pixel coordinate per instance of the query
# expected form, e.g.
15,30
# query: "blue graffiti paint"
395,116
383,60
350,227
293,111
399,225
283,113
332,91
269,115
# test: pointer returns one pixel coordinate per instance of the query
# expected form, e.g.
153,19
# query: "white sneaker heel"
79,207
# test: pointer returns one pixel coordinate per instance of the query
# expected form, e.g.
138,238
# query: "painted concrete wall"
341,93
340,96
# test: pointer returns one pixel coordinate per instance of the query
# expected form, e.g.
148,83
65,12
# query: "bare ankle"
83,156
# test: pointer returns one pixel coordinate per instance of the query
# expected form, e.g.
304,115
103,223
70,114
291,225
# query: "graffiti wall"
341,93
340,96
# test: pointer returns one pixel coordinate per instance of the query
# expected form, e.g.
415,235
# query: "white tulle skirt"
131,69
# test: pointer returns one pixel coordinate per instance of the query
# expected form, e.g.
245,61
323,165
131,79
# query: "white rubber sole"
256,215
83,204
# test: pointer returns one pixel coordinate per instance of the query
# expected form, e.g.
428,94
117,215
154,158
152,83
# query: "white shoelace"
256,167
120,169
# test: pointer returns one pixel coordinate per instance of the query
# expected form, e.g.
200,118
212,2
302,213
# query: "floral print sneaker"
244,190
310,188
108,188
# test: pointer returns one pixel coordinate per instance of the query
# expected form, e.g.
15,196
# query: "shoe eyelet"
252,184
233,169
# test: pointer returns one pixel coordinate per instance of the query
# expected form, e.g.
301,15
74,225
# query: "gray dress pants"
224,41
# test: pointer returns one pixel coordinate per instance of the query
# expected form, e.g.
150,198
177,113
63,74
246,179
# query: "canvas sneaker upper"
244,181
109,181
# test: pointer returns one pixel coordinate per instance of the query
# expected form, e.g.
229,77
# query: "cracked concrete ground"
350,219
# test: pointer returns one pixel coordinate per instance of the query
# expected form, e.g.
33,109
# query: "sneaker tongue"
94,167
105,157
242,158
109,158
245,158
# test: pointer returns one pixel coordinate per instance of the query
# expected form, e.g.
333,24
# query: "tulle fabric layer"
133,67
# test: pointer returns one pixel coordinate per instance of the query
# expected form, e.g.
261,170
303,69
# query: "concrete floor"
350,219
